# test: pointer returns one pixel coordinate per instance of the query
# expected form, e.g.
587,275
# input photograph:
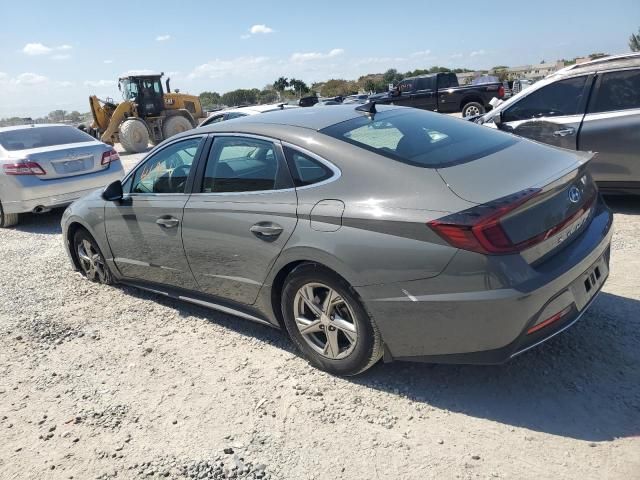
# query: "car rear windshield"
420,138
36,137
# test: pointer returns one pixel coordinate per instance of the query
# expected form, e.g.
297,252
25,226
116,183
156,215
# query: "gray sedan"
48,166
364,233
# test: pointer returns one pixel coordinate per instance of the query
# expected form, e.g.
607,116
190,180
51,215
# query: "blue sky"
54,54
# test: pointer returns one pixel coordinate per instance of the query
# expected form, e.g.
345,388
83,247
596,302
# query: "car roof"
612,62
34,125
253,109
311,118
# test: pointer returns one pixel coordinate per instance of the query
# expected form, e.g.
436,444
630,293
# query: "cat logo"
169,101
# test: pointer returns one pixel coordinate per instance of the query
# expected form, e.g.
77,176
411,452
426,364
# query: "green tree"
335,87
75,116
281,84
268,96
57,116
209,99
634,41
298,86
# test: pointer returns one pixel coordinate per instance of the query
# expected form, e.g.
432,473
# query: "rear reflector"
110,156
23,168
550,320
478,229
500,91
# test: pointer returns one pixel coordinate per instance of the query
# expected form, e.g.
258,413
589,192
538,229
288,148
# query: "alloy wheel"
91,261
472,110
325,321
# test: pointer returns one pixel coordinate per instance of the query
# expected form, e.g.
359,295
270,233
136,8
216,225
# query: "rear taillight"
478,228
23,168
501,91
110,156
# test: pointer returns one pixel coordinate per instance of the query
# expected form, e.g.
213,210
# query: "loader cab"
146,92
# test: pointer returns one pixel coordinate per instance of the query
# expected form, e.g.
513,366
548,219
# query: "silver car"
592,106
48,166
364,233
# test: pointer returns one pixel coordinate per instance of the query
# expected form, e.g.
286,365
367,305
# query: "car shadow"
44,223
626,204
583,383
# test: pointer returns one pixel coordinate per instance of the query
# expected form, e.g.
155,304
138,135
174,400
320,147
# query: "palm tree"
634,42
281,84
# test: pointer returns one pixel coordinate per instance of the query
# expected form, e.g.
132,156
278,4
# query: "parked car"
359,98
440,92
593,106
363,233
238,112
48,166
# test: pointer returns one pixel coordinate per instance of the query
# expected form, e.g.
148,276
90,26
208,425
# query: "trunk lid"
61,161
557,192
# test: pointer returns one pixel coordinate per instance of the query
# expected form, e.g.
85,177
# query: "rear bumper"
22,194
452,319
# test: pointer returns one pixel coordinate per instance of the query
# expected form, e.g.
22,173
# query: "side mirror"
395,92
113,192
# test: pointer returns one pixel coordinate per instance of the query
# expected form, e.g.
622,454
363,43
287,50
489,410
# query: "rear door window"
419,138
557,99
425,83
617,91
38,137
238,164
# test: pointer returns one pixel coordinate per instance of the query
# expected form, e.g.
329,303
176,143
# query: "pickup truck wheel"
472,108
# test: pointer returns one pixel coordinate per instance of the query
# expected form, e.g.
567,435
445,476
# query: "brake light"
478,229
110,156
23,167
554,318
501,91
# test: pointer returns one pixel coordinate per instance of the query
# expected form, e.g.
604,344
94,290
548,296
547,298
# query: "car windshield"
38,137
420,138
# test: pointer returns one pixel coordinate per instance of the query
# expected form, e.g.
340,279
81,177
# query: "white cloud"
99,83
36,49
236,66
64,47
457,55
475,53
261,28
30,79
310,56
66,84
422,53
107,61
61,56
163,38
138,72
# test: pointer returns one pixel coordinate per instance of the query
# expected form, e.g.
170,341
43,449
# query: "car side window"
444,81
617,91
238,164
425,83
167,170
305,169
405,86
554,100
213,119
232,115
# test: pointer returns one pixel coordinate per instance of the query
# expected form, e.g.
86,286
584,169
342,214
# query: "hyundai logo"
574,194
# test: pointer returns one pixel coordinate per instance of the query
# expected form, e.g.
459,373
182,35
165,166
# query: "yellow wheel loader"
147,113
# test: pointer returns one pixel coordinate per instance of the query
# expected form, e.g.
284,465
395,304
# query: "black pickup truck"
440,92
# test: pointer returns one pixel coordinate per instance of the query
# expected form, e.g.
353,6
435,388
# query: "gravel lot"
105,382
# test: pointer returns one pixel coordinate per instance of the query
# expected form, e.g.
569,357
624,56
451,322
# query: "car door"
611,127
552,114
404,95
241,217
425,94
144,229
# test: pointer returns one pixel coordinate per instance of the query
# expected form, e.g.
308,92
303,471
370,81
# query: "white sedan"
48,166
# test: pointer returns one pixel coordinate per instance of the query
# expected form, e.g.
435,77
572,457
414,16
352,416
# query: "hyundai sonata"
365,233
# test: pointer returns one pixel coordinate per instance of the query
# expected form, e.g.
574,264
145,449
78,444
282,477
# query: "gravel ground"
112,382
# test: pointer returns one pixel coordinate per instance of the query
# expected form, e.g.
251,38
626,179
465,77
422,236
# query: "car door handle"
565,132
266,230
168,222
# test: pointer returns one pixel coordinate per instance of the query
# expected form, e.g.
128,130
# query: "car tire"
316,301
473,108
90,258
7,219
134,136
174,125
